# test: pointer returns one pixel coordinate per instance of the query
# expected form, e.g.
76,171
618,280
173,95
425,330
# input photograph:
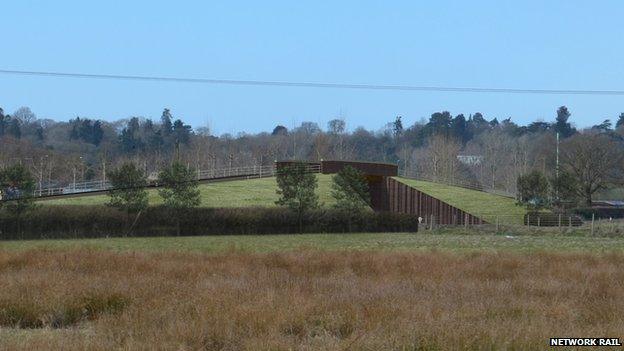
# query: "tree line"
467,148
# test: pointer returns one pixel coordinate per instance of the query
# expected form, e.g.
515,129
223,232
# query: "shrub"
103,221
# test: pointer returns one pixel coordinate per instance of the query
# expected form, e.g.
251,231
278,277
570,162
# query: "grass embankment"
236,193
482,204
101,300
454,240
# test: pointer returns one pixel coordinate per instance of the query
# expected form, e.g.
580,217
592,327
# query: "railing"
248,172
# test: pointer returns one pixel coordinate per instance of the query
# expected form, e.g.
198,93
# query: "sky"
487,44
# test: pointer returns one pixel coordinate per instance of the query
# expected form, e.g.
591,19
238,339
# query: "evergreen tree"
397,127
533,190
179,190
131,137
620,121
17,185
166,126
605,126
563,188
439,123
296,188
459,128
97,133
128,191
14,128
181,132
280,130
350,189
3,122
561,123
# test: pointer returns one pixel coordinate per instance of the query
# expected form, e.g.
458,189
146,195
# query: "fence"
546,224
247,172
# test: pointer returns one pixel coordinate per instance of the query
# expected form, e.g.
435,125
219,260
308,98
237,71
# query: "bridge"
203,176
387,193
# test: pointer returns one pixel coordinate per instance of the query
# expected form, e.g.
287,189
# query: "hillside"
236,193
478,203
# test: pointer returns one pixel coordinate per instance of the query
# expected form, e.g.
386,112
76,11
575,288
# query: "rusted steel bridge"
387,192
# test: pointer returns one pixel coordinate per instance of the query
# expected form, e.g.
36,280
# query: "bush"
47,222
549,219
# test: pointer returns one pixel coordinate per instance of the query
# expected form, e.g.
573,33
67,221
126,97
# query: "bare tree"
595,160
438,160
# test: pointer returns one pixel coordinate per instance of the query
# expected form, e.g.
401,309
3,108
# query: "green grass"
449,241
478,203
236,193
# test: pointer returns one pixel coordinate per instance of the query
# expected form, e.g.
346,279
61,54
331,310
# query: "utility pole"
177,147
557,166
557,170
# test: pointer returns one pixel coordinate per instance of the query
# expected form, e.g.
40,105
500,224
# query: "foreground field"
237,193
445,239
307,299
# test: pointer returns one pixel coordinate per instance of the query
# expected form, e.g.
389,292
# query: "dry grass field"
77,299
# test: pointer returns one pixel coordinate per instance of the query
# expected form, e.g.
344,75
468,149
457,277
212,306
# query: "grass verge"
445,239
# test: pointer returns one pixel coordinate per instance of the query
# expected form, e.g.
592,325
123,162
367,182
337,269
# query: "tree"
17,186
296,188
439,123
533,190
620,121
350,189
166,125
459,128
14,128
336,126
128,189
87,130
438,159
594,160
130,137
280,130
563,188
24,115
3,122
182,132
561,123
179,189
603,127
397,127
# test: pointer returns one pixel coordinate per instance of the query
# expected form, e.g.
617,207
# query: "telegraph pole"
557,166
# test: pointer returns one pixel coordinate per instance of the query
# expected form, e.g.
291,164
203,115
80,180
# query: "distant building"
470,160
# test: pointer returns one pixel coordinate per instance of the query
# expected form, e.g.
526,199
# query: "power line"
317,84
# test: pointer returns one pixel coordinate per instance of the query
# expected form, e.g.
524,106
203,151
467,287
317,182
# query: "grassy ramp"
235,193
479,203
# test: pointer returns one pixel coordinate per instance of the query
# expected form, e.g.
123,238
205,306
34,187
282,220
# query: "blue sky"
499,44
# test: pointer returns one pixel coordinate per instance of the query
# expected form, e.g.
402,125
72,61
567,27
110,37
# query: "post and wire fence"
532,223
